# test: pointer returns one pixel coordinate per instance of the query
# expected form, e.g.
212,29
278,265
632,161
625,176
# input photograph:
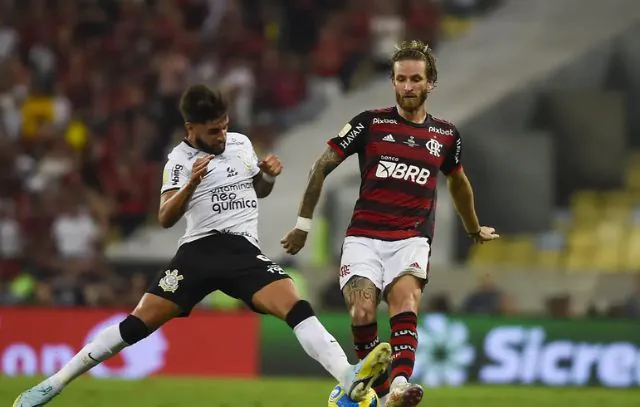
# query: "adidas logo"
415,265
389,138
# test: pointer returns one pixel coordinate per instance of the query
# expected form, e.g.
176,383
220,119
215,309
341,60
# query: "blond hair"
416,50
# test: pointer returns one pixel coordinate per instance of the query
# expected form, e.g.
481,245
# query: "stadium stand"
88,95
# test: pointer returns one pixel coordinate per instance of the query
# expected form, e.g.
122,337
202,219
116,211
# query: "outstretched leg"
151,313
361,298
281,299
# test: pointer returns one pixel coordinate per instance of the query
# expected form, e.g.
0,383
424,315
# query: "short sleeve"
351,138
253,166
174,176
452,161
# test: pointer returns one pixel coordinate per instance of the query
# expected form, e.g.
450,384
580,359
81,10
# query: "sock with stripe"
404,341
365,338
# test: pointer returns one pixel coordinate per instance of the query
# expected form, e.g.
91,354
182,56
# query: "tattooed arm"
294,241
323,166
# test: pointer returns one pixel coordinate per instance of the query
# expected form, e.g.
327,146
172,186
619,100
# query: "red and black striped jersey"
399,165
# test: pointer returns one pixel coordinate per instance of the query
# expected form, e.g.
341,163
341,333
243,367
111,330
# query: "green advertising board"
457,350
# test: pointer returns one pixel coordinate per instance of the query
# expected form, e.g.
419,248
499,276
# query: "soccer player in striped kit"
401,150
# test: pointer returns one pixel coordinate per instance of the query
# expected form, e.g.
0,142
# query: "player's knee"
404,297
363,312
133,330
410,304
300,311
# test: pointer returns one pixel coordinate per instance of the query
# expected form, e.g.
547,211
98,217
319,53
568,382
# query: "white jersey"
225,201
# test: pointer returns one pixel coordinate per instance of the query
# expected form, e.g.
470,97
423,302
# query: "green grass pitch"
299,393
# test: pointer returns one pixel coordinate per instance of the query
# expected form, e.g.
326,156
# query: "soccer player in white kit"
215,179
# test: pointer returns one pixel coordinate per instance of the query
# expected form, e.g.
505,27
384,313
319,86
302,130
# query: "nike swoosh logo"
92,358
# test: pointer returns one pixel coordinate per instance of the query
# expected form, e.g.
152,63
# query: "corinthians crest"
171,281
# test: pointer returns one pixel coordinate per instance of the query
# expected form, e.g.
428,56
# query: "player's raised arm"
269,168
177,188
462,194
323,166
350,140
294,241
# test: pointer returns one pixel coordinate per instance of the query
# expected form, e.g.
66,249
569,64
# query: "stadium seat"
452,26
579,260
607,259
519,251
633,178
548,259
585,206
486,255
581,239
632,255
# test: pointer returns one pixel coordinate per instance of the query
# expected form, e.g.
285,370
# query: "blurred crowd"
88,108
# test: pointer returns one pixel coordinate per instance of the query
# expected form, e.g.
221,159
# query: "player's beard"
411,104
215,150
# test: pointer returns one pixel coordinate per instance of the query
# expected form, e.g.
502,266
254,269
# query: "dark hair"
416,50
199,104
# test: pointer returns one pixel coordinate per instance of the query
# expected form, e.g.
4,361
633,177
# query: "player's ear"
430,86
188,126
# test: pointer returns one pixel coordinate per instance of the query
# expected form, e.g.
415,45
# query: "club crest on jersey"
171,281
434,147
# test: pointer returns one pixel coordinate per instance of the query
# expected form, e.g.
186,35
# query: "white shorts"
383,261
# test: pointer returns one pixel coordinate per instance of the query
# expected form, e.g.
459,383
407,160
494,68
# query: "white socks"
106,344
399,380
322,346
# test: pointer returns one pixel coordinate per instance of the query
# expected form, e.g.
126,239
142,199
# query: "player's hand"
199,170
294,241
485,234
271,165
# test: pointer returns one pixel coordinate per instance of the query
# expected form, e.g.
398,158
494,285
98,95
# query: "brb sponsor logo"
230,197
390,167
138,361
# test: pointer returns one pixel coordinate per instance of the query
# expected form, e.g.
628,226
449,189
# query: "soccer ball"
338,398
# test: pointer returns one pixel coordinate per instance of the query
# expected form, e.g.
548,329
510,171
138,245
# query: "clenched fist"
271,165
294,241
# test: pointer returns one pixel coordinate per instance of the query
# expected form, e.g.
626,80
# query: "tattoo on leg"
360,289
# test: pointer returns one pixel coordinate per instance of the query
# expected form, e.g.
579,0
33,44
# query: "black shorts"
225,262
